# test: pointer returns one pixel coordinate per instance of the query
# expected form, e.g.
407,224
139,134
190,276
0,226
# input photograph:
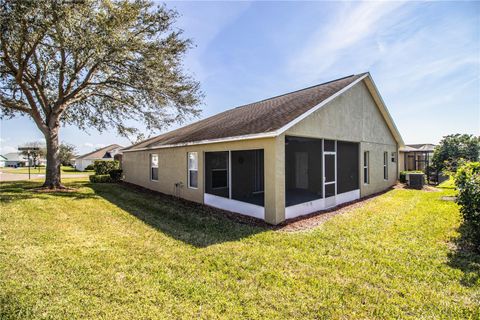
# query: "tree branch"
15,105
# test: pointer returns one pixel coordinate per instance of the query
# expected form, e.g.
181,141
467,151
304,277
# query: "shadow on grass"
192,223
465,258
189,222
21,190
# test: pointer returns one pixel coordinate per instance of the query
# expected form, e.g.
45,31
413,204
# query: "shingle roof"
422,147
15,156
99,153
259,117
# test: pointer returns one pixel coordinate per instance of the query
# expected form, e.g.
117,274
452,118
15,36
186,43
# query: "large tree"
455,148
94,64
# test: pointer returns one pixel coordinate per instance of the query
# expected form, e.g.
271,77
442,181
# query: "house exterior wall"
172,169
81,164
401,161
354,116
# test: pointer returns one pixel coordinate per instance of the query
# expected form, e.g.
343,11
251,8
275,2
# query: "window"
154,167
394,156
366,171
385,165
192,169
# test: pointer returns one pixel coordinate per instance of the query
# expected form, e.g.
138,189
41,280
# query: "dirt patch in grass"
54,190
315,219
426,188
302,223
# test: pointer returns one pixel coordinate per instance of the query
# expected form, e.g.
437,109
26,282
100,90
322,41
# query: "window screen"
248,176
347,166
216,173
219,178
303,170
329,145
329,168
329,190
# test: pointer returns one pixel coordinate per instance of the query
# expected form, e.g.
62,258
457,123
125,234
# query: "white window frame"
385,165
366,165
151,166
192,169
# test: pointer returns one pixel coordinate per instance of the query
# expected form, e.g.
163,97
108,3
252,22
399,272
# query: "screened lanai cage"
319,174
238,176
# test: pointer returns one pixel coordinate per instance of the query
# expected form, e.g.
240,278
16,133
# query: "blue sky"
423,56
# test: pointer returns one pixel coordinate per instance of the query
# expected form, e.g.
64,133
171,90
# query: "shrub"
104,167
89,167
116,174
403,175
100,178
467,180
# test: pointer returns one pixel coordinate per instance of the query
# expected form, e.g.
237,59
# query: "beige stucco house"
278,158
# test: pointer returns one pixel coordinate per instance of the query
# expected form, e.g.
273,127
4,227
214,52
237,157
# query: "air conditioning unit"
416,180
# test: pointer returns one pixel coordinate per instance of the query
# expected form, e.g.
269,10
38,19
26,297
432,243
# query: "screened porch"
319,173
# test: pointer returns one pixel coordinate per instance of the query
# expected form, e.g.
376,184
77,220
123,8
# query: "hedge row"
467,180
106,171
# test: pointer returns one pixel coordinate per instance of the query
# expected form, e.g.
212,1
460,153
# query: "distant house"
3,161
15,160
416,157
278,158
106,153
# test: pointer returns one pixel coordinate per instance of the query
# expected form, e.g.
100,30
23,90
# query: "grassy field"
41,170
106,251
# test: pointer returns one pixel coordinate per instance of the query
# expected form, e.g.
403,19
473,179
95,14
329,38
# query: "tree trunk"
52,175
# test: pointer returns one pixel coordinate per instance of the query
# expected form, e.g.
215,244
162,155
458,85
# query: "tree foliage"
455,148
66,152
467,180
105,166
93,64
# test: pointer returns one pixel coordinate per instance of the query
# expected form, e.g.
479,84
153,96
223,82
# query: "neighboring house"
106,153
279,158
3,161
414,157
15,159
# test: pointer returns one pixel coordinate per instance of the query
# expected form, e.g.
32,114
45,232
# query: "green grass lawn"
107,252
41,170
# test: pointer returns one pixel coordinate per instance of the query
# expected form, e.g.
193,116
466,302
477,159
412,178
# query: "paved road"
22,176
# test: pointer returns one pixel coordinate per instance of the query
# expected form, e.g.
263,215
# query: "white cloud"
202,22
7,149
93,145
347,28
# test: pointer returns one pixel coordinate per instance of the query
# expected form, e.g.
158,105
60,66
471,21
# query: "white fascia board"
271,134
